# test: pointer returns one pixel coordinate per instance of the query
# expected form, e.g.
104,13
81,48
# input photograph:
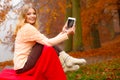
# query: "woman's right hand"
69,30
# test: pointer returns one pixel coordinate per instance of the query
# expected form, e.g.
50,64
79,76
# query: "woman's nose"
32,15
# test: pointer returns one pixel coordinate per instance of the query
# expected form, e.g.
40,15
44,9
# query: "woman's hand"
69,30
65,27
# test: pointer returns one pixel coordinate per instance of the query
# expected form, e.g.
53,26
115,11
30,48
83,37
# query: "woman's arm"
32,34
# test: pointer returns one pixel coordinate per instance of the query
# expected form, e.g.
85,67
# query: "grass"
108,70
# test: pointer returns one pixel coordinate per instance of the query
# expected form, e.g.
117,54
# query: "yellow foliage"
62,7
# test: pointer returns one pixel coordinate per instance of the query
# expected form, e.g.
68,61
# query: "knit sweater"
26,37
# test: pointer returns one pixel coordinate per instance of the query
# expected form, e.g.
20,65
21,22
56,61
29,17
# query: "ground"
108,51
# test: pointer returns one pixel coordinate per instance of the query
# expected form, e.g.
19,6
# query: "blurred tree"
77,43
4,8
51,16
116,17
95,36
69,42
95,16
118,5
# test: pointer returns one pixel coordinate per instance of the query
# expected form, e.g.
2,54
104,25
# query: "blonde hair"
22,16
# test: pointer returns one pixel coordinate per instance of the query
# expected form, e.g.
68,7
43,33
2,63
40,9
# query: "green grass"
108,70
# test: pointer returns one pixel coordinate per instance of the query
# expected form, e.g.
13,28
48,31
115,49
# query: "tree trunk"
69,42
77,43
95,37
116,21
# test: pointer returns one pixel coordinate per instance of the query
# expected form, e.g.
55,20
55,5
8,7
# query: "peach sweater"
26,37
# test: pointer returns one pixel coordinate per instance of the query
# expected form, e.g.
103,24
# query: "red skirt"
48,67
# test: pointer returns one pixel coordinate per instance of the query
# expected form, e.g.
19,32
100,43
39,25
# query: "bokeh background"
97,36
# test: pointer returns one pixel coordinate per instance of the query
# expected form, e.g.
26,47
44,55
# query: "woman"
27,36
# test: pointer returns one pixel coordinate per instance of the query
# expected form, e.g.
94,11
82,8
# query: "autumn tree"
75,42
69,43
97,17
4,8
51,16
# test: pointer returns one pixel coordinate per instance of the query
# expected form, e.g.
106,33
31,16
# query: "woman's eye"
34,13
28,13
31,13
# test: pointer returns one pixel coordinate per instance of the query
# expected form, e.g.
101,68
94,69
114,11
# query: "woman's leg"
32,58
68,64
49,66
57,49
69,60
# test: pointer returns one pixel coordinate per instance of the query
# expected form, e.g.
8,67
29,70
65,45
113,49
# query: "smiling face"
31,16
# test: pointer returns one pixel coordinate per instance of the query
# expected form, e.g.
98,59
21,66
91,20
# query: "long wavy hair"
22,17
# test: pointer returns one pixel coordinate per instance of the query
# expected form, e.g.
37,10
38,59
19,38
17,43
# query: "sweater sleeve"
32,34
